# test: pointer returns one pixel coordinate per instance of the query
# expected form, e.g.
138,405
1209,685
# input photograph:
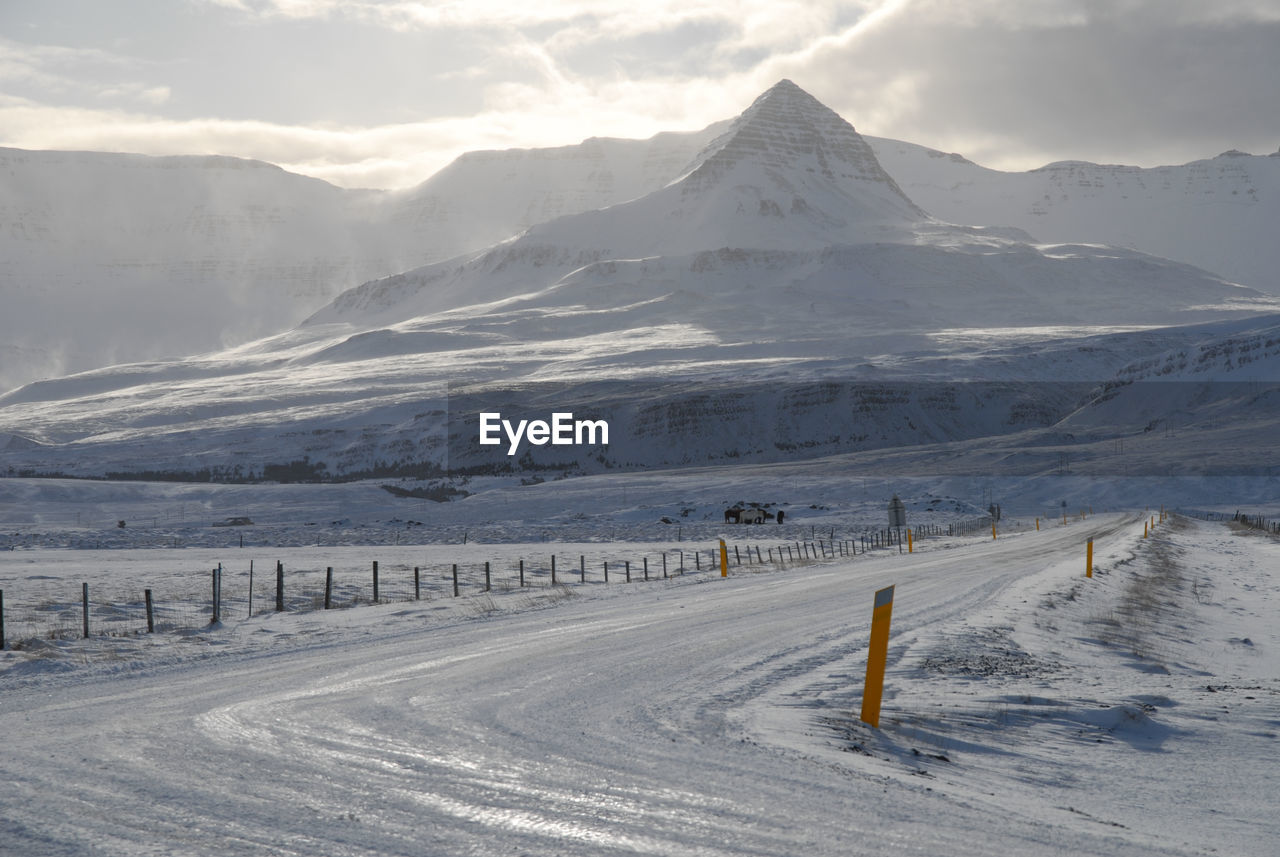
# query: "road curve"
605,725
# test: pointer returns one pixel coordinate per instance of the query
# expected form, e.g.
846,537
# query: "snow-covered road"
666,719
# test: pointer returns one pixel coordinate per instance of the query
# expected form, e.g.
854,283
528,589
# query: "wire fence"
1253,522
62,609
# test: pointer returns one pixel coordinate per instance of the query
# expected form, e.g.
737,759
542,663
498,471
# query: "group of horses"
754,515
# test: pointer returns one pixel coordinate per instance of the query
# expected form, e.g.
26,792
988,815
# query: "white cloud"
764,22
131,91
382,156
77,72
1016,85
1005,82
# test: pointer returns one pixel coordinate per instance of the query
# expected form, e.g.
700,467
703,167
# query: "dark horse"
733,515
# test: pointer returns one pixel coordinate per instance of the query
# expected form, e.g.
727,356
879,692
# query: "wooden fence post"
417,585
375,581
553,569
646,569
279,586
582,568
606,571
486,575
664,565
521,573
151,621
455,580
628,563
84,605
214,612
328,587
2,642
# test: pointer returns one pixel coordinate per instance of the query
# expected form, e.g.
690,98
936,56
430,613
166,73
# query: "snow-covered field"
1028,709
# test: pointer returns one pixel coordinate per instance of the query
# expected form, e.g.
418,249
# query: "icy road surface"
670,718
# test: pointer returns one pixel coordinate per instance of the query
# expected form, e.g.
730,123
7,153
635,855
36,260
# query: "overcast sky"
382,94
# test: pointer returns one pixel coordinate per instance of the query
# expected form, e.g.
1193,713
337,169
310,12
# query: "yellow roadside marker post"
993,529
724,559
910,547
1144,529
1088,561
1037,525
877,655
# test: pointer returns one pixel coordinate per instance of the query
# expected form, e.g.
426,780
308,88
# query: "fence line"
1256,522
234,594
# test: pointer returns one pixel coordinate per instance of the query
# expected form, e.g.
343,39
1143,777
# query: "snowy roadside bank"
1145,699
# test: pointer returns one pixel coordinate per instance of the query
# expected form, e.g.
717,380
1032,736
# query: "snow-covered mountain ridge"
755,308
1218,214
109,258
239,248
248,249
786,194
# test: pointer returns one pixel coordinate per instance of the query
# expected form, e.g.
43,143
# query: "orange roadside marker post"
877,655
724,559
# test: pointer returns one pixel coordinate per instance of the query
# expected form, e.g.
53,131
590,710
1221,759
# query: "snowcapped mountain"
771,301
115,258
108,258
787,215
112,258
486,196
1218,214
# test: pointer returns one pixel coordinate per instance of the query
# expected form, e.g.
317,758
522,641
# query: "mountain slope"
485,196
1218,214
108,258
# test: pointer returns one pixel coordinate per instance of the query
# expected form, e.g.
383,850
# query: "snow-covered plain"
1028,710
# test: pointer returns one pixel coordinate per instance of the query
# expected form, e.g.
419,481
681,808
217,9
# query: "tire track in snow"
603,726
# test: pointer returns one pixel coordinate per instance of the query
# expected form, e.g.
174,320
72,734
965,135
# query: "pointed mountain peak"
786,88
785,91
797,140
